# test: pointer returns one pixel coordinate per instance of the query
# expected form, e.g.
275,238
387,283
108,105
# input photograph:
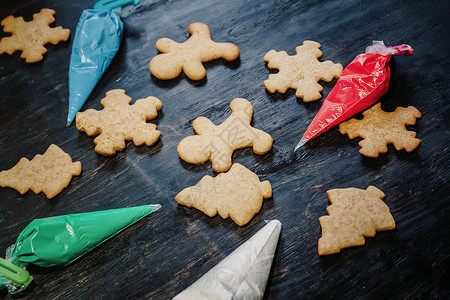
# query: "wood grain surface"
167,251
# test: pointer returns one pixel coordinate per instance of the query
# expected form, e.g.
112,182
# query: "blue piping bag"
97,38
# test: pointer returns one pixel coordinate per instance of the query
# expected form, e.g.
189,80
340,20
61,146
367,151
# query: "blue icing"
97,39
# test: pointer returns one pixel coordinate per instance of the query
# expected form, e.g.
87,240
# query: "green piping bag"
58,241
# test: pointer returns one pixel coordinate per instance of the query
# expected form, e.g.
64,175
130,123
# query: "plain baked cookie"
379,128
30,37
353,214
300,72
217,143
237,194
119,122
190,55
49,173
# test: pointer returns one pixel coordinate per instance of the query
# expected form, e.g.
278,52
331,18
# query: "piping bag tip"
71,115
155,206
300,144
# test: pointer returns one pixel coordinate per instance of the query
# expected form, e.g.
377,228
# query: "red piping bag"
361,84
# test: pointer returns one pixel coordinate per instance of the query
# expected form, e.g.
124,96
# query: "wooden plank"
167,251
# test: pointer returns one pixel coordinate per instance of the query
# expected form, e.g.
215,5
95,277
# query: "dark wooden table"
167,251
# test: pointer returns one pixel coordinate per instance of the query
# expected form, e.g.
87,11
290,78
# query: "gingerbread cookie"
30,37
190,55
379,128
353,215
119,122
300,72
237,194
49,173
217,143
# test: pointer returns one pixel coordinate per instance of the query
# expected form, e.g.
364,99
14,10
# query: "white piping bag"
241,275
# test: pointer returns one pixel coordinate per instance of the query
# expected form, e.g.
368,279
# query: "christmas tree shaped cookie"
49,173
300,72
30,37
379,128
353,215
237,194
217,143
119,122
190,55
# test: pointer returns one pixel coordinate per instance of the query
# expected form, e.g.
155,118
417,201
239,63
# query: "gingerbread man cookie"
30,37
217,143
190,55
119,122
237,194
301,71
379,128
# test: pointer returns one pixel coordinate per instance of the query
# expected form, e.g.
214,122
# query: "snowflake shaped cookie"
300,72
119,122
30,37
188,56
379,128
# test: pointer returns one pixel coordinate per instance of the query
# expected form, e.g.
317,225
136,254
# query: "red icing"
361,84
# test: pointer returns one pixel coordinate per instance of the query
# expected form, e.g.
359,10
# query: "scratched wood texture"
166,252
